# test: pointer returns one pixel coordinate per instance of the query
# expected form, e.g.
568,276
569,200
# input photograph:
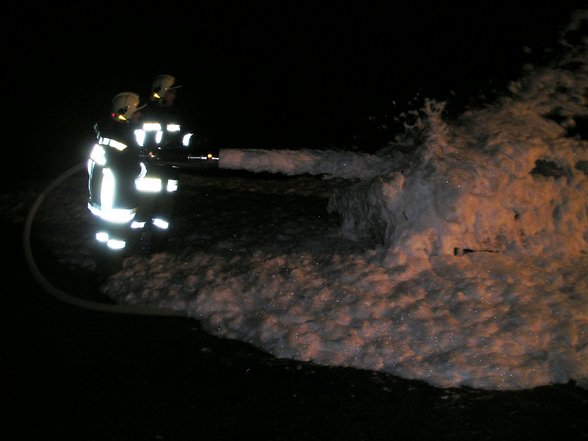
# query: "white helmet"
161,85
124,105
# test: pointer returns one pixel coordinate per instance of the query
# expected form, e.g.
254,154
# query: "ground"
79,374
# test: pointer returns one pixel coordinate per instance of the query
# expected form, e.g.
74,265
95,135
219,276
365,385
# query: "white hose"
61,295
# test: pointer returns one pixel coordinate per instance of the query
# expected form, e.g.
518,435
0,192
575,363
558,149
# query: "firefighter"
162,141
113,167
165,144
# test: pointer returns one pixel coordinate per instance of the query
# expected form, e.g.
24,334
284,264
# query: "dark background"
258,76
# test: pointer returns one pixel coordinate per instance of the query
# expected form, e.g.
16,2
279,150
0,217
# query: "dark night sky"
261,76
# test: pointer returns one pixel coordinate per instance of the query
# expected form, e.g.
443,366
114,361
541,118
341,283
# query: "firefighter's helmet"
161,85
124,105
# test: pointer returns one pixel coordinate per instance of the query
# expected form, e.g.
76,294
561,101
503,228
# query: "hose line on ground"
58,293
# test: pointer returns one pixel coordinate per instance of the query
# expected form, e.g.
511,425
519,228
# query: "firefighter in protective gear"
113,168
162,140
